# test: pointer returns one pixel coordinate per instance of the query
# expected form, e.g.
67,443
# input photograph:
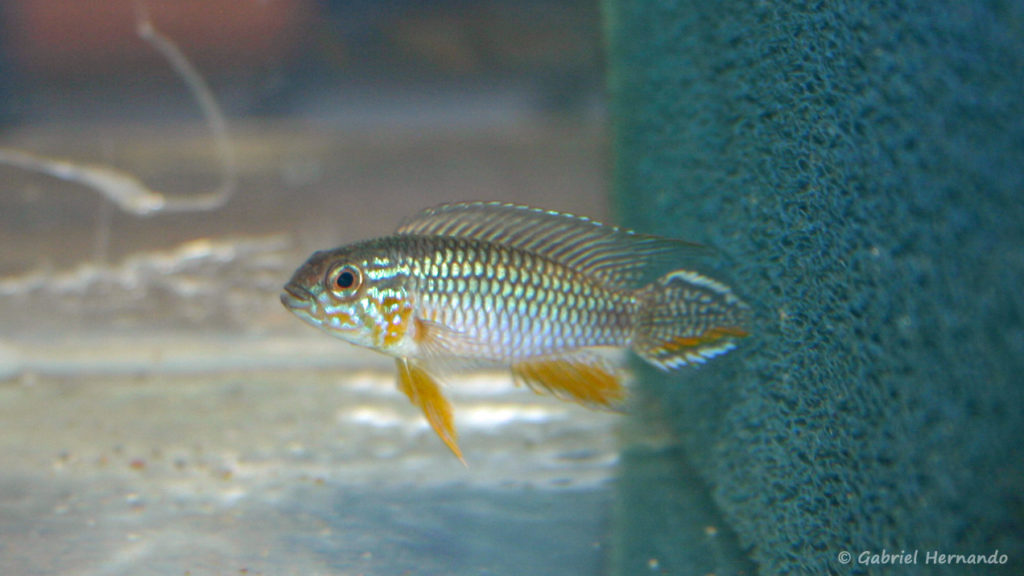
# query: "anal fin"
583,378
423,391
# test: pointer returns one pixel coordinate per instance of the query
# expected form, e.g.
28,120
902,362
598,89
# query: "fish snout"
295,297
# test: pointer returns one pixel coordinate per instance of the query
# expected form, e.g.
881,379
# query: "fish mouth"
296,297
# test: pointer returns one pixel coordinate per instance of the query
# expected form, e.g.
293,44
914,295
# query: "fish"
538,291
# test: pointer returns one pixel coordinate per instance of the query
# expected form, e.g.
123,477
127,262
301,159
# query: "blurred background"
344,116
158,407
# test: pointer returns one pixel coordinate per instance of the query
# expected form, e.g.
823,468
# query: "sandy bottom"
296,473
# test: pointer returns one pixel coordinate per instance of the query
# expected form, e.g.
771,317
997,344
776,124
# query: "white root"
129,193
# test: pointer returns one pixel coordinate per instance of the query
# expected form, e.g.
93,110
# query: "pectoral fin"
423,391
582,378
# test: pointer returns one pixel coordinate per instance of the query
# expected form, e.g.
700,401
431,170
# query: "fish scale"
533,289
457,282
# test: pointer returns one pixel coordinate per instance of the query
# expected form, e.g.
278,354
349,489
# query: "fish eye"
345,280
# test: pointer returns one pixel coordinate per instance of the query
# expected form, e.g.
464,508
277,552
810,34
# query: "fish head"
355,293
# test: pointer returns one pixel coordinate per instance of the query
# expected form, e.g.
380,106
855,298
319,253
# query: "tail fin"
686,318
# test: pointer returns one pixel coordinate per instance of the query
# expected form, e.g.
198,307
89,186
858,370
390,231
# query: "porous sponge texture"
860,166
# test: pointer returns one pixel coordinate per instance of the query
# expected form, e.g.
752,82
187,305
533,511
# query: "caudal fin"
686,318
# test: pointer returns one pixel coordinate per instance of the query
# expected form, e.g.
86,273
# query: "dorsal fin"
618,257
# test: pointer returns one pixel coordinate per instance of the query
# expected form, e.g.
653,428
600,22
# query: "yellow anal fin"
423,391
582,378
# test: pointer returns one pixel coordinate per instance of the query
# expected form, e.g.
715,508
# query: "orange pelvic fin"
423,391
583,378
